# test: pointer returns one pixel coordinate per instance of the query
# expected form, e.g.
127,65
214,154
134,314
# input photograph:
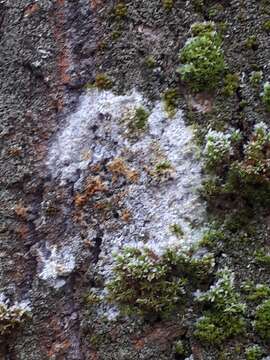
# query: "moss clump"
202,61
258,292
215,10
103,82
167,4
163,166
256,78
262,320
12,317
198,5
140,118
177,230
254,353
248,178
120,10
262,258
231,84
92,298
266,26
254,168
171,98
211,238
252,42
116,34
225,315
150,62
219,148
179,348
266,95
146,284
202,28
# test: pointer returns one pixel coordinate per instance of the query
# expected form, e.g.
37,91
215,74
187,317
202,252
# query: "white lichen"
58,265
96,132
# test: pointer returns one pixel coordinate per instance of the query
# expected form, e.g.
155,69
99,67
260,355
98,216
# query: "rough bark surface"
62,216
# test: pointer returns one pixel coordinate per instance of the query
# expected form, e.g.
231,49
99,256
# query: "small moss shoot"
103,82
170,99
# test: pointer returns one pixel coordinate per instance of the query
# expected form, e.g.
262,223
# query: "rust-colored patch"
14,151
94,4
63,60
94,186
23,231
126,215
118,167
162,335
21,211
31,9
59,348
93,355
63,65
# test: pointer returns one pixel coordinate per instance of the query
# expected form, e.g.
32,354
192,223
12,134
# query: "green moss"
116,34
215,10
218,148
231,84
224,317
145,283
262,320
120,10
163,166
254,353
262,258
103,82
198,5
179,348
202,61
258,292
136,120
256,78
12,317
177,230
171,98
140,118
202,28
266,95
266,26
211,238
150,62
243,104
92,298
247,179
168,4
252,42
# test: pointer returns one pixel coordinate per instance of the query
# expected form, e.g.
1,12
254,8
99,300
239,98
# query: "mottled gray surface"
53,250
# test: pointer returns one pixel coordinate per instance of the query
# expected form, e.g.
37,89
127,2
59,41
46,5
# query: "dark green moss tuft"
202,61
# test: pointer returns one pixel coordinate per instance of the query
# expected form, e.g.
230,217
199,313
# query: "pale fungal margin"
96,132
